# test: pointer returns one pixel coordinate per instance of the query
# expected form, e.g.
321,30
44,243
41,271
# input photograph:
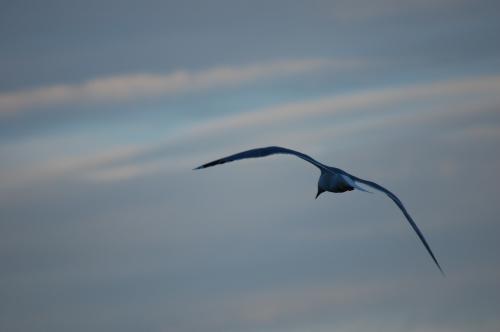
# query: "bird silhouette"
331,179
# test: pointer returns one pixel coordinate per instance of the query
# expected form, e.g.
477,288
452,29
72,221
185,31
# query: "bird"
332,179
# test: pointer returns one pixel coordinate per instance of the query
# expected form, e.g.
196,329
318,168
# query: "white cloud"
125,162
487,89
136,86
488,86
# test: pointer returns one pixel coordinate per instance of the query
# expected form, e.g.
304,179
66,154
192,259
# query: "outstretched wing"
264,152
407,215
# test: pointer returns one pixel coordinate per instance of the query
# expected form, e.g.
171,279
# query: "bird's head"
320,191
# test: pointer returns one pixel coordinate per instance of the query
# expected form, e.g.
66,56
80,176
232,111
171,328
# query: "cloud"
137,86
58,167
334,303
364,100
479,92
117,164
361,10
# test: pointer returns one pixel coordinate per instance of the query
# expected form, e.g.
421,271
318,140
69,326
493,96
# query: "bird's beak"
319,193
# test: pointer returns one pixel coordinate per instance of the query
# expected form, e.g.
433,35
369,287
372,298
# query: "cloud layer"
371,108
136,86
106,106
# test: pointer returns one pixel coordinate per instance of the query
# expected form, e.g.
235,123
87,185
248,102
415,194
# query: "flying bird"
331,179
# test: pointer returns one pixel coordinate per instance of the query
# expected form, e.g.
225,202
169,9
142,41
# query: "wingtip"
438,265
441,270
199,167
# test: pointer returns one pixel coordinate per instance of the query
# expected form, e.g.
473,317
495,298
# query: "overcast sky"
106,106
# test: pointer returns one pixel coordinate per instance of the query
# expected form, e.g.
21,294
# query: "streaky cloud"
142,85
132,161
489,86
484,89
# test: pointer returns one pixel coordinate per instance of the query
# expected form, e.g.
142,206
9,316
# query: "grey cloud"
373,111
361,10
105,227
481,93
102,39
137,86
161,250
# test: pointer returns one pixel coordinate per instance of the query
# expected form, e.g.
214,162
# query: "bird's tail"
354,184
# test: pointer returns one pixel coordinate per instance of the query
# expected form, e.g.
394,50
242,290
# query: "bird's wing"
263,152
407,215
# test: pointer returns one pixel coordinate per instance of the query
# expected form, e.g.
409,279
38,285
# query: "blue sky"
106,106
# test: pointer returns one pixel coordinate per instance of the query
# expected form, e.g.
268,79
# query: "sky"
107,106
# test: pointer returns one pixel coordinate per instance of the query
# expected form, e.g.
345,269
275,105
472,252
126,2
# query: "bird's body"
333,182
331,179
